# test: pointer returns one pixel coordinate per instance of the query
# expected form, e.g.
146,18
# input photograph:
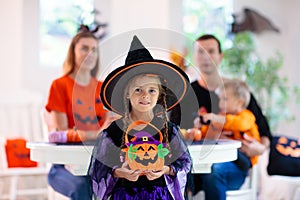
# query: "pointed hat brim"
139,61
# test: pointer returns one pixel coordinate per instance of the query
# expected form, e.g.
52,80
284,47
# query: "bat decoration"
252,21
95,27
98,31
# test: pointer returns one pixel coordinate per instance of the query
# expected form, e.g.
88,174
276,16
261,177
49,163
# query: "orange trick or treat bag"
17,154
143,150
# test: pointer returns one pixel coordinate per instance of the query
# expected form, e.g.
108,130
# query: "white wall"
19,48
284,15
156,26
19,38
11,44
19,41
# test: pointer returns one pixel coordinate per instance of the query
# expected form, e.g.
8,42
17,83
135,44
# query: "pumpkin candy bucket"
144,151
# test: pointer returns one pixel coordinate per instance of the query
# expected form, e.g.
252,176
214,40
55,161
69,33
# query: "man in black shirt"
208,56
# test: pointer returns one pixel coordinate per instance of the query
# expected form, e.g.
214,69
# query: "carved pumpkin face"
144,152
288,147
145,157
84,113
17,154
86,108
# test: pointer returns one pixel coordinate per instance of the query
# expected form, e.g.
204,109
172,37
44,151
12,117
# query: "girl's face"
228,103
143,93
86,53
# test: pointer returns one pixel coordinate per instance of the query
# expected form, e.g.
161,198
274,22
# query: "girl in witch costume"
141,155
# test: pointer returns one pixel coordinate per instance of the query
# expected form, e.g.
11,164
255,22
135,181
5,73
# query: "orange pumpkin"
288,148
144,152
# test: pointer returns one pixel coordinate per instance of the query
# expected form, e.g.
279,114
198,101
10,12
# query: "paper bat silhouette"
253,21
98,31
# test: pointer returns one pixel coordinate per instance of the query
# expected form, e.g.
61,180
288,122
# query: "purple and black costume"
106,158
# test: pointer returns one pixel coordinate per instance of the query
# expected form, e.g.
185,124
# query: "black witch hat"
139,61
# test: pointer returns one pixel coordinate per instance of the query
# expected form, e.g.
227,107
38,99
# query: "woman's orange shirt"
82,104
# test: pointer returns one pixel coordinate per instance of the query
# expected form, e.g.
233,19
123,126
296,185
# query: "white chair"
19,117
276,186
248,191
15,174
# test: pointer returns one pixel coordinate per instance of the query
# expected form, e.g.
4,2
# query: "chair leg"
13,187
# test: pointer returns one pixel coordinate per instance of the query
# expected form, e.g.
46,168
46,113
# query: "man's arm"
250,146
261,121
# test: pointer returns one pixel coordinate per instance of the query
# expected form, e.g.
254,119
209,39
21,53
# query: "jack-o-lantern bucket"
143,151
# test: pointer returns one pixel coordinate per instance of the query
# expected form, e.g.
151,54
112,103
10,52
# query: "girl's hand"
214,118
191,134
125,172
152,175
208,117
197,123
58,136
226,135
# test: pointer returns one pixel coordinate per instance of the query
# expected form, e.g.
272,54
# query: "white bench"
276,187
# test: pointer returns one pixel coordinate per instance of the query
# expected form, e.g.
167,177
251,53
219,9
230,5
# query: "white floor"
25,182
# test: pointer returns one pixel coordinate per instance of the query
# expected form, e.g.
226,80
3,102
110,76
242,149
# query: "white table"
77,157
209,152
